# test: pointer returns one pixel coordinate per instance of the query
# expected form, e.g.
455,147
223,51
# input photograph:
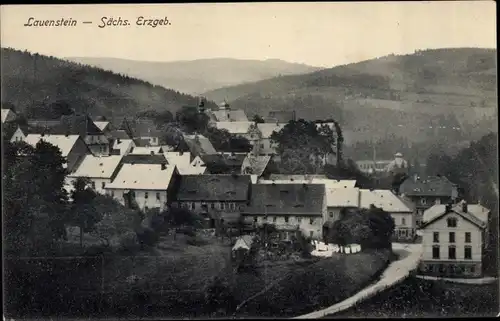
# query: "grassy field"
423,298
309,288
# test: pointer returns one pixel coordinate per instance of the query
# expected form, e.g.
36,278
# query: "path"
396,272
485,280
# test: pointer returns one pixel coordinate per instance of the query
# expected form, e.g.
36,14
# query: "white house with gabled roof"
149,186
453,240
100,171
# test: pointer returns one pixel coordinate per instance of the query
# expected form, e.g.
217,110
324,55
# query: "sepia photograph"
249,160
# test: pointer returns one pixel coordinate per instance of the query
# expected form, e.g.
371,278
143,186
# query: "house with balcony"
144,185
99,170
454,237
214,196
425,192
289,207
400,209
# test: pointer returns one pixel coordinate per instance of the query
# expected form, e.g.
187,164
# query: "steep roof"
214,188
257,164
287,199
384,199
120,134
199,145
183,163
295,177
63,142
142,177
234,115
101,124
430,186
81,125
152,150
7,115
97,167
342,197
234,127
243,242
267,129
140,128
476,213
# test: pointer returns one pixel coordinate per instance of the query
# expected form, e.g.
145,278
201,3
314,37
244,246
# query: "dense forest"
33,81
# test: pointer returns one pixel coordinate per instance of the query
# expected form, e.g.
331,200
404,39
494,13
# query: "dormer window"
452,222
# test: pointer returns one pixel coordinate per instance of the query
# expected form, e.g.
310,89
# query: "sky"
320,34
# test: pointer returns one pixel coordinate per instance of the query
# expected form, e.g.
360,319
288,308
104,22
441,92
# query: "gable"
462,223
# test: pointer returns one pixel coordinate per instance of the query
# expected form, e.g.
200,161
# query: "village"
243,195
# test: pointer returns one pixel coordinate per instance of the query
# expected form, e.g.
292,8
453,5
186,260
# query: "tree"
258,119
340,235
178,217
84,213
192,120
239,144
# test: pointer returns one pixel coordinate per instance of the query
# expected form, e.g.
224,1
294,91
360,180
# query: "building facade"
453,241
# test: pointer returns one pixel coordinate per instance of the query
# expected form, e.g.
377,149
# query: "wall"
303,222
140,198
97,182
463,226
17,136
98,144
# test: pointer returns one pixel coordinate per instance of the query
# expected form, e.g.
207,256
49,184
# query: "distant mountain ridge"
36,81
198,76
401,95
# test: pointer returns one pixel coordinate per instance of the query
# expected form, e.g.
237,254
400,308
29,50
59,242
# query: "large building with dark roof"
290,207
214,195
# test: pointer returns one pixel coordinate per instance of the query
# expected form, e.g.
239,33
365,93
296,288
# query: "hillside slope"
198,76
409,94
31,79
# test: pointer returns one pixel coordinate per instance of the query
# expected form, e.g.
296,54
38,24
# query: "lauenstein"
32,22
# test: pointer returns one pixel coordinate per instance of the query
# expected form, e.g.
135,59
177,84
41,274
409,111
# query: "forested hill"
409,94
36,81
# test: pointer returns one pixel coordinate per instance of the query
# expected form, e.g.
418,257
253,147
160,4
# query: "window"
403,221
146,195
286,219
222,206
468,253
472,269
423,201
435,252
452,222
158,196
452,253
311,221
438,201
261,145
436,237
103,184
452,237
193,205
331,214
146,208
212,205
112,194
311,233
274,219
299,219
93,185
467,237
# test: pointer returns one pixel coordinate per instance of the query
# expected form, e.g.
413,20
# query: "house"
338,199
373,166
264,145
400,209
225,114
290,207
398,166
8,115
146,186
145,130
427,191
223,164
199,145
72,147
122,146
105,126
453,240
100,170
243,250
214,196
184,164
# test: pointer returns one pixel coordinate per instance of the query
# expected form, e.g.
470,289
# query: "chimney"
152,152
464,206
448,208
119,140
163,166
